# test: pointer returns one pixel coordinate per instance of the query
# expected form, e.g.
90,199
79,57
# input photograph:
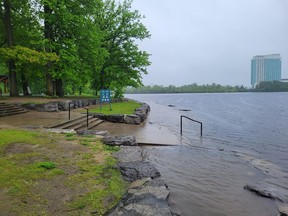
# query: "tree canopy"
60,47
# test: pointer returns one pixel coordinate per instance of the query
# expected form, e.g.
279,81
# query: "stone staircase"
10,109
77,124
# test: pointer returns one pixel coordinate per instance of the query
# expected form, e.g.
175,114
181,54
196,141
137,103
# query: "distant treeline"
193,88
272,86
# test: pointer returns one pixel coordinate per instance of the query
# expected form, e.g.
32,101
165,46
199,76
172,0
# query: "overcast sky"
206,41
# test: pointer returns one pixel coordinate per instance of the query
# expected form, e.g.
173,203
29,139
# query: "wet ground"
145,133
34,119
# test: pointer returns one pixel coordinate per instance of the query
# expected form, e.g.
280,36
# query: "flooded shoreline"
206,176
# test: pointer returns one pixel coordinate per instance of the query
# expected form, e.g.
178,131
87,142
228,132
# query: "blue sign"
105,96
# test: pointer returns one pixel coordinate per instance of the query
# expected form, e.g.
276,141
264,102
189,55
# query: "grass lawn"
127,107
54,174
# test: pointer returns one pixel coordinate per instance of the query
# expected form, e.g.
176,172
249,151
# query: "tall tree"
22,36
48,35
68,31
125,63
7,20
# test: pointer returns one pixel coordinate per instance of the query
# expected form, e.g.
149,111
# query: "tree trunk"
48,36
102,82
24,85
49,83
59,88
9,37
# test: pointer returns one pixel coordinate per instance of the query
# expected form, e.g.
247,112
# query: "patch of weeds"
111,148
89,136
106,186
85,143
69,134
88,139
13,190
70,137
46,165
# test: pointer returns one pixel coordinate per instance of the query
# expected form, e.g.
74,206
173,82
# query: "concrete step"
6,106
66,123
2,114
91,124
10,109
75,124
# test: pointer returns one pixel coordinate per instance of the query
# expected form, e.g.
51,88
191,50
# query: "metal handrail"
79,107
182,116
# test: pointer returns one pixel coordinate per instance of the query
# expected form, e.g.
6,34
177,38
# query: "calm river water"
245,140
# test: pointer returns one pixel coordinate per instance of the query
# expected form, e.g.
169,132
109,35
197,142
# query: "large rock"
142,112
283,210
145,197
132,119
129,154
64,105
49,107
131,171
120,140
266,190
115,118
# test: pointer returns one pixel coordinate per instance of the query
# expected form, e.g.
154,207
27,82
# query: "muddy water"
245,140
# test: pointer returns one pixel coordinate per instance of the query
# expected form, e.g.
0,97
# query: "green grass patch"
46,165
31,162
9,136
111,148
127,107
106,183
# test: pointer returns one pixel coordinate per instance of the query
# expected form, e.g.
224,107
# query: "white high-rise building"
265,68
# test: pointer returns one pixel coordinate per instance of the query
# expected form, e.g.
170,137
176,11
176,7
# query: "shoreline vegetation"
273,86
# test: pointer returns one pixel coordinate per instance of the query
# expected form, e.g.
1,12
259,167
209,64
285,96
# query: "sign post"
105,96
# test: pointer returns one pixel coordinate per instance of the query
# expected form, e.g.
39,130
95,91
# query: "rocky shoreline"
63,105
148,194
138,117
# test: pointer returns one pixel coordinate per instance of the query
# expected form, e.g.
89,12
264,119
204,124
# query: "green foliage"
90,43
46,165
272,86
125,63
193,88
127,107
26,55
